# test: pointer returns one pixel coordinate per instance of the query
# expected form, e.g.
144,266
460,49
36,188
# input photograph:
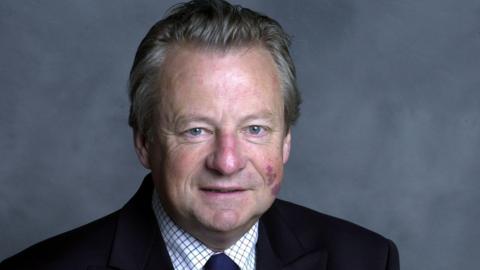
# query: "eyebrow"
186,118
264,115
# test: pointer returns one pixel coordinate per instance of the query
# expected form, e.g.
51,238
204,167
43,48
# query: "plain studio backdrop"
389,136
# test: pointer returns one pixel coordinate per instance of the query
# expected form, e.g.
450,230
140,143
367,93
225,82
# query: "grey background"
389,136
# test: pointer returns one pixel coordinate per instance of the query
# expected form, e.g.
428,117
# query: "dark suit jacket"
290,237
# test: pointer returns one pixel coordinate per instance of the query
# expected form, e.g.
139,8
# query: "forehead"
202,74
191,58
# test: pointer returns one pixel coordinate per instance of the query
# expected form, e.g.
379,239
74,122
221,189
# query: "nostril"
226,157
225,162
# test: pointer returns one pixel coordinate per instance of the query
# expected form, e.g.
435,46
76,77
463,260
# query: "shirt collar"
186,252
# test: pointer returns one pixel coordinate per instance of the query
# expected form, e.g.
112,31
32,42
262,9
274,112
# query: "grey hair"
211,24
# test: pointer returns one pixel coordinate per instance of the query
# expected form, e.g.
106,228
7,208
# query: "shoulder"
309,222
342,239
88,244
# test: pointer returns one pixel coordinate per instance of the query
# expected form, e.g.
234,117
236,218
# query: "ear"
286,146
141,148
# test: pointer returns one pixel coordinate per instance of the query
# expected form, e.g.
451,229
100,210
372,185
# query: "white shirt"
186,252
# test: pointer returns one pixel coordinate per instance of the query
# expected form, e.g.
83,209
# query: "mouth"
222,196
222,190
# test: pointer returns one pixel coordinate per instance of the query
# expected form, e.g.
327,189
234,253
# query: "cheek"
275,189
187,155
271,175
181,164
273,180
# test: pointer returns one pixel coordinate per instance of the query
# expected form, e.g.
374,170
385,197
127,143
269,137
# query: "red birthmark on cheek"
271,176
275,189
271,180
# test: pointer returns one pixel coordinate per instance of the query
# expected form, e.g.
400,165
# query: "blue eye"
195,131
255,130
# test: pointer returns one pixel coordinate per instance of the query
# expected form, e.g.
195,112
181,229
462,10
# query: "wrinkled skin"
220,140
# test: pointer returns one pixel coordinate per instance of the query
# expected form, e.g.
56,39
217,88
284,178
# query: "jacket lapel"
138,243
278,247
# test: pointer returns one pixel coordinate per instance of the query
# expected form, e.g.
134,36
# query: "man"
213,99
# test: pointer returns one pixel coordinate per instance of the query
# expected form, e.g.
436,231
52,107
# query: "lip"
216,192
222,190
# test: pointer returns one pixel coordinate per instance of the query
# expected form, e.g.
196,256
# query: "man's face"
220,140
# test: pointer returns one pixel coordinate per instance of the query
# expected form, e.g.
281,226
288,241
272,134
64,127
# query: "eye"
255,130
194,132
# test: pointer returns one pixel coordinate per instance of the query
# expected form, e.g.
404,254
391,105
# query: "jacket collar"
278,247
138,243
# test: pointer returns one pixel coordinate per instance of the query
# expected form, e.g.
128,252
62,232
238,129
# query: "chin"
226,220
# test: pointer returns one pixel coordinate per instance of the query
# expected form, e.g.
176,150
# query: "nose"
226,157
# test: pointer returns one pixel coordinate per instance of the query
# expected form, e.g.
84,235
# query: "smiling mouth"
225,191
